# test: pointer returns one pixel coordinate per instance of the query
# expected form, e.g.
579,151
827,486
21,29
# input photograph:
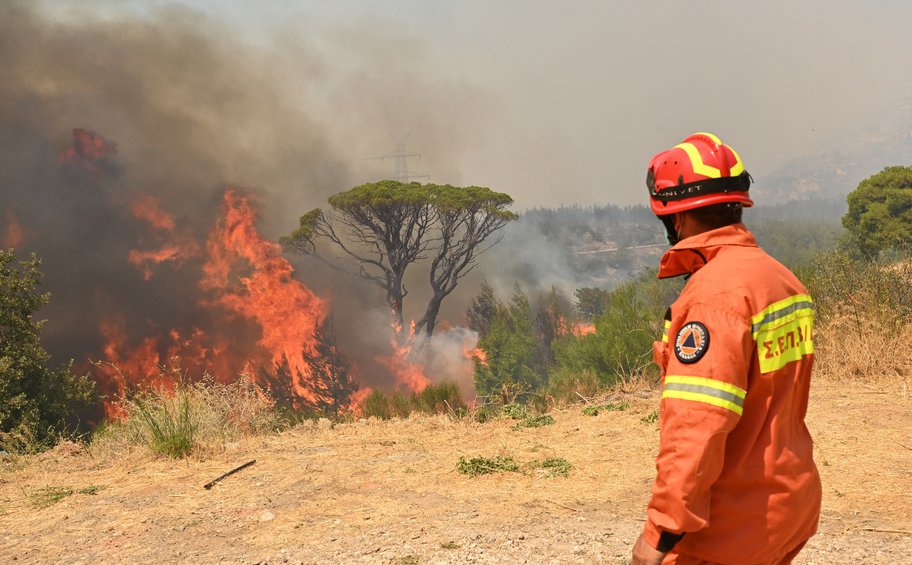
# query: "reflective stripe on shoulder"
708,391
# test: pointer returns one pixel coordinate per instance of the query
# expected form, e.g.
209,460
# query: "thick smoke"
187,111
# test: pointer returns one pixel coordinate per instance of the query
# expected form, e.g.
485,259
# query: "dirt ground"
389,493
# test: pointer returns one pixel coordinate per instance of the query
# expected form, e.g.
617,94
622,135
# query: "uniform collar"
692,253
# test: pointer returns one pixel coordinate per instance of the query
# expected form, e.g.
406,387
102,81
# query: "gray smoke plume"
172,109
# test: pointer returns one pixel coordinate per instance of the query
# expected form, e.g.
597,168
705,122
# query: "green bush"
36,402
436,398
168,423
486,465
510,345
860,291
595,409
621,346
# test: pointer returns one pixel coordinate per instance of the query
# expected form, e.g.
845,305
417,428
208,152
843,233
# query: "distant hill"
837,169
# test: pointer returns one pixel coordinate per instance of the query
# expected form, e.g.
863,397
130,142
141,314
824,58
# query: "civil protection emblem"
692,342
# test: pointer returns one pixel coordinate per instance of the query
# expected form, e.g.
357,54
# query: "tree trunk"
430,315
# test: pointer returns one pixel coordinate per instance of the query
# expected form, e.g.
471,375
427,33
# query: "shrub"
168,423
436,398
535,421
867,304
193,418
595,409
486,465
37,403
551,467
621,346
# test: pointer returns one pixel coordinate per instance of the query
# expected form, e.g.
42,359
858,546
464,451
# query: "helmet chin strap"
670,232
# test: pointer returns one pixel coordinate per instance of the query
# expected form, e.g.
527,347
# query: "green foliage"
198,418
510,346
515,411
622,343
302,239
650,418
535,421
551,467
595,409
383,228
377,405
880,211
436,398
35,400
330,381
482,311
50,495
796,242
862,290
486,465
168,421
591,302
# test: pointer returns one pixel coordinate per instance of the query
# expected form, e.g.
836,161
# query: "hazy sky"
565,102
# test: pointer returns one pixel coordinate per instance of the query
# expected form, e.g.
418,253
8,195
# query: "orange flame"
409,373
477,354
177,251
584,328
286,311
90,151
12,232
246,283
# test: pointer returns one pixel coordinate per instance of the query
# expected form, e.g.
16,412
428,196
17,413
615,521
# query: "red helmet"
699,171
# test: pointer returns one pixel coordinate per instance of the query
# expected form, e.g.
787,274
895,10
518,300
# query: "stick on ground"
212,483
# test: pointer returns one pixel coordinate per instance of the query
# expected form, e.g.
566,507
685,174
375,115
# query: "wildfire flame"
583,328
409,373
217,299
11,236
286,311
177,250
90,151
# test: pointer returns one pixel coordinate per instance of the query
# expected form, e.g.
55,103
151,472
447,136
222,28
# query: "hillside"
389,492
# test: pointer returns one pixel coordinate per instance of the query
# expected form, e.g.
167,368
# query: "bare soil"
389,492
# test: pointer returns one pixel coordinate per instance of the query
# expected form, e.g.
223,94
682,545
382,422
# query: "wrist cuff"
668,540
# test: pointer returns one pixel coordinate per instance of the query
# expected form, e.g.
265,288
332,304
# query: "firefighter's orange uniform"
735,472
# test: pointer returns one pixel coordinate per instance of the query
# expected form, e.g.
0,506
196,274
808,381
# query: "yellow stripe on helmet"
697,163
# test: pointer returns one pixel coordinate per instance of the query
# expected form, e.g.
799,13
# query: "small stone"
266,516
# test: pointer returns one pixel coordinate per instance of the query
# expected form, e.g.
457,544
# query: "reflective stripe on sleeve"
665,331
708,391
782,312
784,332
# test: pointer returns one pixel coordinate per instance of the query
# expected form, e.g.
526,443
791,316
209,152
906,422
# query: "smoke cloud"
119,138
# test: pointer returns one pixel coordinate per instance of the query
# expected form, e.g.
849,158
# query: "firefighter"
735,476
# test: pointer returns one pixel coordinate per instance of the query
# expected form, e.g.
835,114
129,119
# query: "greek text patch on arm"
784,332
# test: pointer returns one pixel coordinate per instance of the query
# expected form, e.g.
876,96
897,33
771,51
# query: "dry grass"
847,353
207,415
373,492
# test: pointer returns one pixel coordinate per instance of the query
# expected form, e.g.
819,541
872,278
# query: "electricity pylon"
401,155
